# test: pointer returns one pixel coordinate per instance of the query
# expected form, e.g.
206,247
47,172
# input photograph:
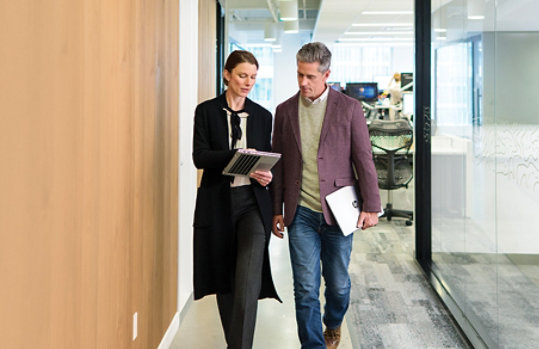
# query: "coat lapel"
331,110
222,121
294,120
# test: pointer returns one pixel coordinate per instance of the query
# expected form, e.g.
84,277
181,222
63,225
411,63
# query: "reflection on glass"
485,165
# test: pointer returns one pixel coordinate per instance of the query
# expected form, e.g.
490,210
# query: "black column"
422,78
220,46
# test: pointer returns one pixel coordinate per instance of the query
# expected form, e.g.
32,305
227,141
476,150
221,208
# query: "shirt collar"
322,97
241,114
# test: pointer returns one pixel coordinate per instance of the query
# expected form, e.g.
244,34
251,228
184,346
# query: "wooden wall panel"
207,49
89,173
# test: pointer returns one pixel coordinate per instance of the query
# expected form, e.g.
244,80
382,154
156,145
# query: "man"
322,136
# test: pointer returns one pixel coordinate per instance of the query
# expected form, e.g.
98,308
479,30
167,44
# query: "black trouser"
238,309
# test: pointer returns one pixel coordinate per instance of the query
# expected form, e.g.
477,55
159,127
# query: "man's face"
311,82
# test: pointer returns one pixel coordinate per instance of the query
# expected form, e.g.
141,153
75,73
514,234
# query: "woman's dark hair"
237,57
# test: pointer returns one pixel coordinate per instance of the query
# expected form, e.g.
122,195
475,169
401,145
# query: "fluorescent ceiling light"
440,30
380,33
476,17
441,38
288,10
387,12
382,24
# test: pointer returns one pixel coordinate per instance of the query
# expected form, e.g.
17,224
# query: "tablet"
246,161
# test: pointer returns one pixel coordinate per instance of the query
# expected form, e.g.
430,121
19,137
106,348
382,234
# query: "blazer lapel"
294,120
331,110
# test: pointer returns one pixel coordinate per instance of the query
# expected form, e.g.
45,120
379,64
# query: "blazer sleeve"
277,182
363,162
207,154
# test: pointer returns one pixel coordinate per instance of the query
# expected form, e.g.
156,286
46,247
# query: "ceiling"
323,20
338,17
333,21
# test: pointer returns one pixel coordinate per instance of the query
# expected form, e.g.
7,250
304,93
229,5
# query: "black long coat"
214,242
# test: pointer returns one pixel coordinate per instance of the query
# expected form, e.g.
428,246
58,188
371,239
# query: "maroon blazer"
344,144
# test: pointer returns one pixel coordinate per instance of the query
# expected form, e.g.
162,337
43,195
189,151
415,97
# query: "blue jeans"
311,241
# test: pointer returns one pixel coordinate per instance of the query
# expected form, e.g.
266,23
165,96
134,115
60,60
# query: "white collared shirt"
322,97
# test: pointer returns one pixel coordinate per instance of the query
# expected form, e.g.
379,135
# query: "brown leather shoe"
332,337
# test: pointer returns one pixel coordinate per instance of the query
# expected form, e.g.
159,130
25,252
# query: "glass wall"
485,164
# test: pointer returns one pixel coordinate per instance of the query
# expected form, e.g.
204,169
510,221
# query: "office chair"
391,142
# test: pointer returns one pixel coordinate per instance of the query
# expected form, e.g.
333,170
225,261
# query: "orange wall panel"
88,149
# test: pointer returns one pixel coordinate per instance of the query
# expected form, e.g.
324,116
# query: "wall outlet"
135,325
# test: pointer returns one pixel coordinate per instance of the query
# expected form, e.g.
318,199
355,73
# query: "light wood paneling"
88,156
207,49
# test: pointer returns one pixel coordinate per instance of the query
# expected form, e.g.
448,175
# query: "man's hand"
262,177
366,220
278,226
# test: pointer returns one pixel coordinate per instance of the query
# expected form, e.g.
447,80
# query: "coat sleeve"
205,154
363,162
277,182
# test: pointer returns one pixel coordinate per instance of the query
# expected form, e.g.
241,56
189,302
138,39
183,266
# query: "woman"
233,214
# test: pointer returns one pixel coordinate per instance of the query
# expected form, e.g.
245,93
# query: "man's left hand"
367,220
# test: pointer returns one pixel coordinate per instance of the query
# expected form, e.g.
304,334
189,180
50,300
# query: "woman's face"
241,79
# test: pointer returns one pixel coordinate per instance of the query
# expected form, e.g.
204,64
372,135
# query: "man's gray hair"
315,52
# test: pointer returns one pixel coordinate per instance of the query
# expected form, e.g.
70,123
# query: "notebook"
344,205
246,161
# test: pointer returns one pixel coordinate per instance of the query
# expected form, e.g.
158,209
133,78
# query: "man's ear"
326,75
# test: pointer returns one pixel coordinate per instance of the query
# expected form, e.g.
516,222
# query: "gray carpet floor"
392,304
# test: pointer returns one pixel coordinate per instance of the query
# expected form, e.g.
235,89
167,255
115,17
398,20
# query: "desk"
451,167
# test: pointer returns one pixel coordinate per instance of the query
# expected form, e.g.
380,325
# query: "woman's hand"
262,177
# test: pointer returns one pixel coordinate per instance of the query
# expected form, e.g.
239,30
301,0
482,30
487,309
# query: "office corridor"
392,305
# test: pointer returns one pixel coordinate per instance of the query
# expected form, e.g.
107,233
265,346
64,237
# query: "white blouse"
240,143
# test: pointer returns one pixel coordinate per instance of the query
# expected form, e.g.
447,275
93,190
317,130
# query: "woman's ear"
226,75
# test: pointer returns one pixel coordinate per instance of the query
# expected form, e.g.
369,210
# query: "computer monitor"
407,79
363,91
335,85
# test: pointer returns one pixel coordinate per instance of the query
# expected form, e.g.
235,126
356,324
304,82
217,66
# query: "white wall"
188,71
